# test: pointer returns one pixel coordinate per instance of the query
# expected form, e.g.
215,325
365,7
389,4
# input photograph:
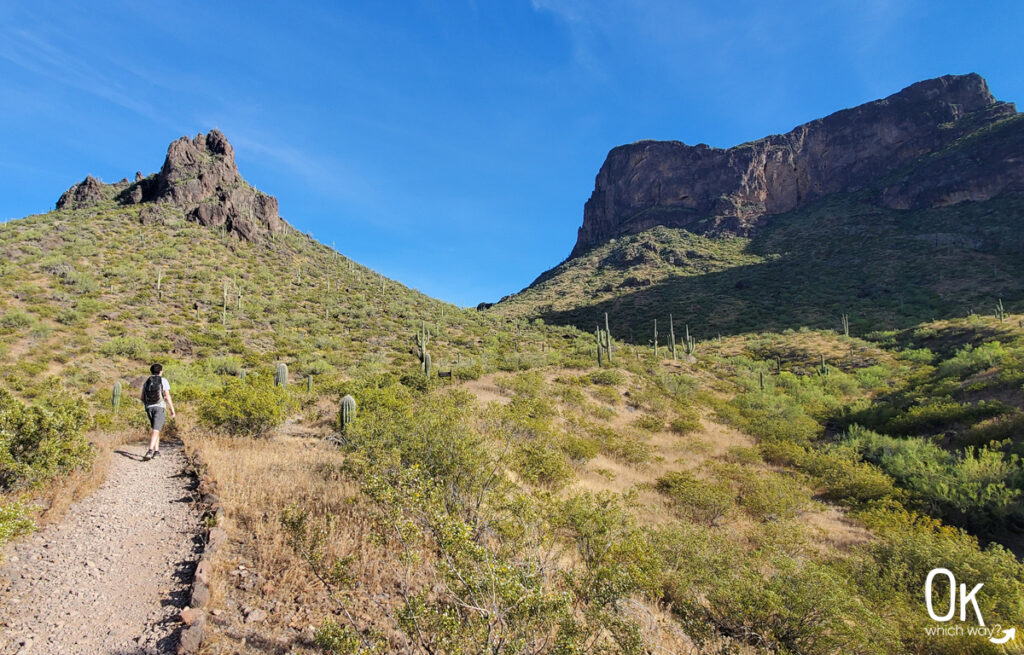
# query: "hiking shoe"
149,455
156,453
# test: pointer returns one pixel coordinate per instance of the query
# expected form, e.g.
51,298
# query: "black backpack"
152,390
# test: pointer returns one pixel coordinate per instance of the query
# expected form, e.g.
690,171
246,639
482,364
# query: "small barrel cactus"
281,376
348,411
115,399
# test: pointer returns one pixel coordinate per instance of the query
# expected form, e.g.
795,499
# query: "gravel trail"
112,576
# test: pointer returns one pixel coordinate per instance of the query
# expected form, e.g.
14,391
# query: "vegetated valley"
762,476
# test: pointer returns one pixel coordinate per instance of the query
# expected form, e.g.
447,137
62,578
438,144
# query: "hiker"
156,396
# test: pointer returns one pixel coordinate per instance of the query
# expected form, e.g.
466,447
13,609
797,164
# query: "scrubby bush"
909,545
838,473
133,347
537,462
697,500
938,415
766,599
15,320
980,488
14,521
766,495
649,423
530,383
686,421
771,417
247,408
41,441
471,372
971,359
607,377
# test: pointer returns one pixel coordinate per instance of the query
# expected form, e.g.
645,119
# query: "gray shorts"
157,416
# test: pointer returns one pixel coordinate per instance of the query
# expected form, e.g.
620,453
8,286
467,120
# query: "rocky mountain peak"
876,146
200,180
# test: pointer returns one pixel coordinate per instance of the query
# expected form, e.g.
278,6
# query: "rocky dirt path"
112,576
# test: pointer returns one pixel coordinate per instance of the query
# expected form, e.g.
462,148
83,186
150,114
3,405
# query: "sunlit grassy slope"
92,295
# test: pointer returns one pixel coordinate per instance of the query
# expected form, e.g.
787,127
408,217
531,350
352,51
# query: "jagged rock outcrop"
712,191
199,178
87,192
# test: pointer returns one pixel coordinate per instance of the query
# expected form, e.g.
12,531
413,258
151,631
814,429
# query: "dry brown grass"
258,480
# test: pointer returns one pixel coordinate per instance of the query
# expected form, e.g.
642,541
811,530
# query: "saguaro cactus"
655,338
115,398
348,411
999,311
426,364
607,339
691,343
672,335
281,376
846,325
309,383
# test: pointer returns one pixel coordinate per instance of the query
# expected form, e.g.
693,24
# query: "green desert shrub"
807,607
941,414
14,521
43,440
771,417
132,347
226,365
471,372
541,463
608,395
766,495
774,602
979,488
14,319
607,377
687,421
839,474
524,384
697,500
971,359
909,545
649,423
247,408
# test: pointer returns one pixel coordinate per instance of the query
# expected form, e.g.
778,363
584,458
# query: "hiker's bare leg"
154,440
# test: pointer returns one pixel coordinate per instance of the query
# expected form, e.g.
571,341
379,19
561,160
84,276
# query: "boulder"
88,192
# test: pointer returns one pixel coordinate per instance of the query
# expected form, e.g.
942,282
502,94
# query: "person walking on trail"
156,396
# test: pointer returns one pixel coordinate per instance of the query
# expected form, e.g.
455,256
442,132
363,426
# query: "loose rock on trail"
112,576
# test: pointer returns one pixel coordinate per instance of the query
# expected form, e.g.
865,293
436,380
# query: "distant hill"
896,211
191,264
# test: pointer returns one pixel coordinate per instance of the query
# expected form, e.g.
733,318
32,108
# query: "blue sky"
450,145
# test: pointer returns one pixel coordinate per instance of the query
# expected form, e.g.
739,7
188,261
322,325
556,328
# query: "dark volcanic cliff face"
200,179
710,190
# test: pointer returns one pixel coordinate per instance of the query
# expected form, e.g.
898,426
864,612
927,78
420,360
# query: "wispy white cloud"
37,54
